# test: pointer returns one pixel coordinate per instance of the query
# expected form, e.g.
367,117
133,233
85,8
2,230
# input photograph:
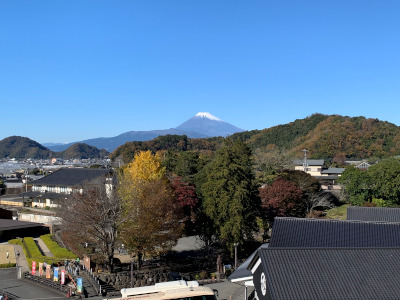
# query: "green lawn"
338,212
32,252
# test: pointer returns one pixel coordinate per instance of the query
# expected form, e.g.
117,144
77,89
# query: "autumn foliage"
282,198
151,217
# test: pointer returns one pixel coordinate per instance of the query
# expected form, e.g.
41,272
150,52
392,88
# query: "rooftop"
383,214
304,232
329,273
71,176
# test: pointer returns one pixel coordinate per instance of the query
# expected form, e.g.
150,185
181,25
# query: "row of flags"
56,273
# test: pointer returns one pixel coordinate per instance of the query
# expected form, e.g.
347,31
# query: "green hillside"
82,151
325,136
176,143
329,136
22,148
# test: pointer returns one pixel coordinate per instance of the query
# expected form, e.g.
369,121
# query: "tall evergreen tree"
230,196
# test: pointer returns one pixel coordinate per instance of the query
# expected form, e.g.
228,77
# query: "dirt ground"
3,254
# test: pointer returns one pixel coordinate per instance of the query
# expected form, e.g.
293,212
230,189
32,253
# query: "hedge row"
32,252
9,265
56,249
33,248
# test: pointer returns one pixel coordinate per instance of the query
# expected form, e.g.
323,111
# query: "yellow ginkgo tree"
151,217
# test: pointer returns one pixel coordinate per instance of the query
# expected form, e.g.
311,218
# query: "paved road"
229,291
23,289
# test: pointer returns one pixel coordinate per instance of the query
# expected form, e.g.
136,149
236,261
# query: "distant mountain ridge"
202,125
22,148
330,137
325,136
111,143
208,125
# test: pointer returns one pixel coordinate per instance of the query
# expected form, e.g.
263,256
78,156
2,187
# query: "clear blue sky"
77,69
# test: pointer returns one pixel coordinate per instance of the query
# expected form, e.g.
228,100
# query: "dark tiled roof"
333,171
71,177
327,177
7,224
340,273
383,214
296,232
242,273
310,162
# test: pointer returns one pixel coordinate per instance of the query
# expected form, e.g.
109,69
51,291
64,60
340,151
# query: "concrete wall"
49,220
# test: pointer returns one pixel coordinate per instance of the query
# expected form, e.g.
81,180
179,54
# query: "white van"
172,290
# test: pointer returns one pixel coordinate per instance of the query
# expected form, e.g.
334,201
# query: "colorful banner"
55,278
48,272
79,285
33,267
62,276
40,269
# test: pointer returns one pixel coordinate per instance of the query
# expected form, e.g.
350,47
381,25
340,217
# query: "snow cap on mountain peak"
207,116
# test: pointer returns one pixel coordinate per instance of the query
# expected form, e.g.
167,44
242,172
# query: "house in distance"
50,190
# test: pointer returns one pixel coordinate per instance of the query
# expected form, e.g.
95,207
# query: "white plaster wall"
49,220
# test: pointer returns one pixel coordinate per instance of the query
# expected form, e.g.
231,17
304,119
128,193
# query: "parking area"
23,289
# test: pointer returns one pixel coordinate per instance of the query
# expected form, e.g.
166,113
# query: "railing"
101,289
9,295
92,279
47,282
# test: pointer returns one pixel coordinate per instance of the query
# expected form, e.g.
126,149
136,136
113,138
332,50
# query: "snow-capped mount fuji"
202,125
208,125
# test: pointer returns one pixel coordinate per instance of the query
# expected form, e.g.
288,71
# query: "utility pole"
305,163
26,180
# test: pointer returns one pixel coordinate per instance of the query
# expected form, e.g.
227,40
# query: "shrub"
203,275
32,252
33,248
379,202
9,265
54,248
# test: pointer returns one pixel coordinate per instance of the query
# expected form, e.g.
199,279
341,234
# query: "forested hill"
22,147
325,136
329,136
176,143
82,151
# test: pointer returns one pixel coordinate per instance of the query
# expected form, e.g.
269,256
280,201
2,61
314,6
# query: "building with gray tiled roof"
326,273
383,214
10,229
325,233
53,188
315,167
304,232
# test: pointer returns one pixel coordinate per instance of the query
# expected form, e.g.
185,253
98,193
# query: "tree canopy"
152,218
230,196
380,181
93,215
